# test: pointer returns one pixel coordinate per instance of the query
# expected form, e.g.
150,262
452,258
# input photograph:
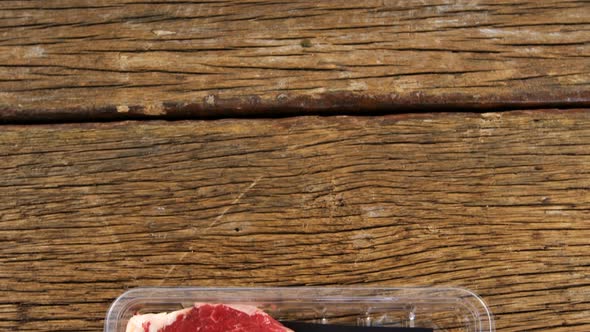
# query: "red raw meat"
203,317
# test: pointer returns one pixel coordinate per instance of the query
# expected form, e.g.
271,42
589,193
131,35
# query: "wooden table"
455,152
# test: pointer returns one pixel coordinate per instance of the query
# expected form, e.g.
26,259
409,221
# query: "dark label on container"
310,327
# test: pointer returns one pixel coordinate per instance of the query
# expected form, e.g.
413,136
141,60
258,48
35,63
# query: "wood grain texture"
497,202
123,59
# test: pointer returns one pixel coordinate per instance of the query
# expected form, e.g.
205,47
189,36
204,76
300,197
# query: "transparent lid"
440,309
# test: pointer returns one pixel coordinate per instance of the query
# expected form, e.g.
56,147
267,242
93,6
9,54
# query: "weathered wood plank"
120,59
498,203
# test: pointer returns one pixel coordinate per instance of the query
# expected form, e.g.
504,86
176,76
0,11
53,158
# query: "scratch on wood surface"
235,201
173,267
35,52
160,33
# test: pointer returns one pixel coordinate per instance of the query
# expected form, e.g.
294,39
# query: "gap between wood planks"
110,113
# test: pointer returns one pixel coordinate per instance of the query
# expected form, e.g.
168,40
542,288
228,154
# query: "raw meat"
203,317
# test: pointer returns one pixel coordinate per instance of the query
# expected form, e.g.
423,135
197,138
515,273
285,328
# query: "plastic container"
441,309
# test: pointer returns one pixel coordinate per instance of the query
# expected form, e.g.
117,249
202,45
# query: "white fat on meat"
156,321
161,320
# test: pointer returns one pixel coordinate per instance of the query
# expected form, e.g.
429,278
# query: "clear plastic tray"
441,309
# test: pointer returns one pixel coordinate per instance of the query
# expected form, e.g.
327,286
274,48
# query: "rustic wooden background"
497,202
120,59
